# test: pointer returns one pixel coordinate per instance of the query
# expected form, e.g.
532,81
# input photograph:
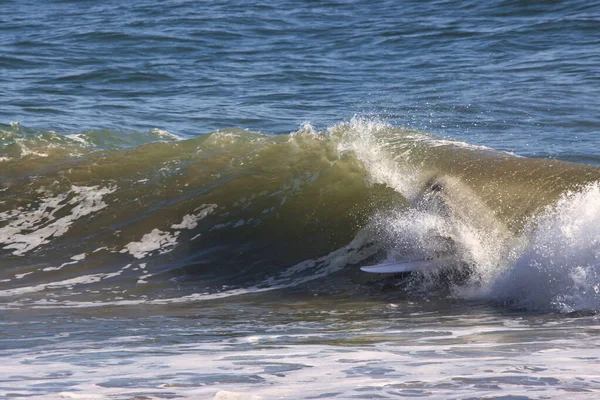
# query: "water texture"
188,192
508,74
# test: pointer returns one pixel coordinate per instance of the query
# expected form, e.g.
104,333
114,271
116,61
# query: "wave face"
108,218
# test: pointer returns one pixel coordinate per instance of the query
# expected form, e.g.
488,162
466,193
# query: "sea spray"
559,270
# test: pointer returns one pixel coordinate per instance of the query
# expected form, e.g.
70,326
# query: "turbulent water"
171,226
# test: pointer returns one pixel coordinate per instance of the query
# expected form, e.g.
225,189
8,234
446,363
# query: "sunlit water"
189,189
300,347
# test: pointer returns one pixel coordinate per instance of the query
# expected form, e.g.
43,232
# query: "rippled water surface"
188,191
304,348
510,74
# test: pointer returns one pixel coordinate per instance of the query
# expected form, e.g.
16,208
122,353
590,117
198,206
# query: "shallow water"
188,192
302,347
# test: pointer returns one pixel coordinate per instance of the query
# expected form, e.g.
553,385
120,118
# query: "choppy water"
188,192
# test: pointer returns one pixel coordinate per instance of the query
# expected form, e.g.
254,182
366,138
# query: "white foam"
26,151
165,134
70,395
75,258
225,395
190,221
79,138
150,242
80,280
463,357
553,266
560,267
306,129
21,276
29,229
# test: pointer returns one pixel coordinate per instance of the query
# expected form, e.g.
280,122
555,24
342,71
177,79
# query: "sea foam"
560,267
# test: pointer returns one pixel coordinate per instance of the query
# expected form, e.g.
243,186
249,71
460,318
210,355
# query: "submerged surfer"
446,260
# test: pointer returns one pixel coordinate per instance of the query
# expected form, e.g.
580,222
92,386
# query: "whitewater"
189,190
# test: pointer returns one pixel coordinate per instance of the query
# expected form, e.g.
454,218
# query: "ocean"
189,190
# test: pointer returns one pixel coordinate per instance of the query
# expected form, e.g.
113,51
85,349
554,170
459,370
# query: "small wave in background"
172,227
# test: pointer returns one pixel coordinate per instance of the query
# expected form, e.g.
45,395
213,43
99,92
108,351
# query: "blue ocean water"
516,75
189,189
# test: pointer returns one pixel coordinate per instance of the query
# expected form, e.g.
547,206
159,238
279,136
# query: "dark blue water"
228,265
515,75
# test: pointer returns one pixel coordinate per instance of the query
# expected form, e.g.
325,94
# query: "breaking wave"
101,218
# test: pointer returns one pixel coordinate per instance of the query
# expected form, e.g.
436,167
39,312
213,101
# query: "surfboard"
405,266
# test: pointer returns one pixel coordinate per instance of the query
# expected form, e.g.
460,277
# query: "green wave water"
91,219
